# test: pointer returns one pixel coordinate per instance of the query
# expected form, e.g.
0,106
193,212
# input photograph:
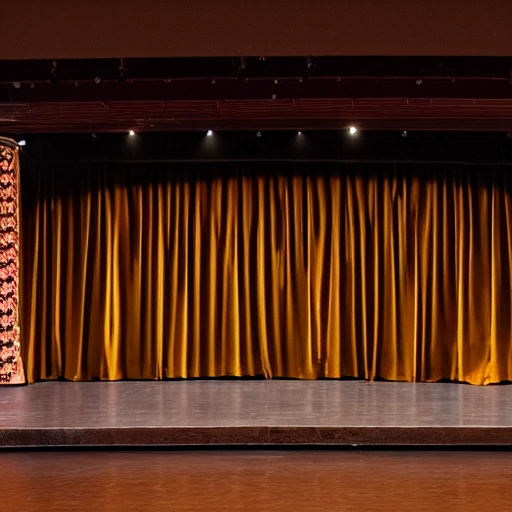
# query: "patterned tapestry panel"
11,366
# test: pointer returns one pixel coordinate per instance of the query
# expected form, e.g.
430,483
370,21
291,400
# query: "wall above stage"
108,28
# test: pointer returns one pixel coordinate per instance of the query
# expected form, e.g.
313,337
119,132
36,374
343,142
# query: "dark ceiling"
110,95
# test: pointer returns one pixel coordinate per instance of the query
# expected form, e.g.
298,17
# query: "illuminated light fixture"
405,134
22,143
299,133
209,133
258,134
97,80
131,133
121,68
352,130
53,73
419,82
16,85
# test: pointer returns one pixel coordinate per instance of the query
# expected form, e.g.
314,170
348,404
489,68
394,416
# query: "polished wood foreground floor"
240,412
257,481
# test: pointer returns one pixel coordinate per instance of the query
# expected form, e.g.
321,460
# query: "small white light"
353,130
97,80
299,133
131,133
258,134
22,143
209,133
419,82
16,85
405,134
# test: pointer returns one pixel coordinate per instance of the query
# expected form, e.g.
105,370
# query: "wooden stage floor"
254,412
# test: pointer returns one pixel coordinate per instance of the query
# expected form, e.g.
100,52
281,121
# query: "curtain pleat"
151,272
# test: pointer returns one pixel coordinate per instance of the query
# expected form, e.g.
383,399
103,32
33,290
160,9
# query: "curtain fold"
369,271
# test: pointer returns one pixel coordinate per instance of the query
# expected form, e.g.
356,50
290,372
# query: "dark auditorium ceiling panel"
33,29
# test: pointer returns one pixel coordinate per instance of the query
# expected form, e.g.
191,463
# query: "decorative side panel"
11,366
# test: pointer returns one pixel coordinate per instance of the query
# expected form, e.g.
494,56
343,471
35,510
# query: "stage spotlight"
53,73
122,69
405,134
209,133
352,130
131,133
22,143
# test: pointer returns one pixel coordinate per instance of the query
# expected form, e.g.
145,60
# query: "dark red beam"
367,113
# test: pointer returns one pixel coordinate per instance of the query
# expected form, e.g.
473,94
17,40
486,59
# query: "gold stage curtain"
165,271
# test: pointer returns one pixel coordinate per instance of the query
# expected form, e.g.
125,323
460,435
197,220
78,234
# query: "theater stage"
254,412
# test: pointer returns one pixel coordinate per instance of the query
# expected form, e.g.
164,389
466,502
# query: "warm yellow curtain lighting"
134,272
